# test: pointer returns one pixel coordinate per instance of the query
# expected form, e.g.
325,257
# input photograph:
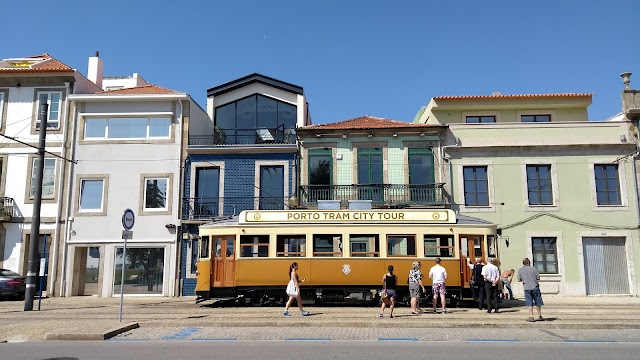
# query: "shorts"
391,293
439,288
533,297
414,290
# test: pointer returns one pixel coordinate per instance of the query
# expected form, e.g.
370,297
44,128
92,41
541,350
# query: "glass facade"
143,271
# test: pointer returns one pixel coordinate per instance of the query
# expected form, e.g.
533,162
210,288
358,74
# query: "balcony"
203,209
382,195
245,137
6,208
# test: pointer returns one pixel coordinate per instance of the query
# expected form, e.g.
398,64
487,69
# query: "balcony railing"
211,208
391,195
252,136
6,208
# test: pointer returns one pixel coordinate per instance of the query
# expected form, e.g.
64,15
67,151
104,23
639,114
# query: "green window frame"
414,156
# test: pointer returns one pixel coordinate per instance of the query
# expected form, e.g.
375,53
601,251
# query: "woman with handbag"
293,290
388,293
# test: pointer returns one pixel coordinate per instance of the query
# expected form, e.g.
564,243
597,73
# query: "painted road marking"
182,334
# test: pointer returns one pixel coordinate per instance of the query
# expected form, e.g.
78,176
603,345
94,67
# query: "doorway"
224,261
605,266
87,279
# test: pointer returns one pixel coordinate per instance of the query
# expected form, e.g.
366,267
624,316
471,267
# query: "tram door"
224,261
471,247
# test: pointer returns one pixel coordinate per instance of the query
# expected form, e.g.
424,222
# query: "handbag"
292,290
383,293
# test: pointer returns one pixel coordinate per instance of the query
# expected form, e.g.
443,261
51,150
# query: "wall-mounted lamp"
395,134
170,226
318,135
344,136
422,134
370,135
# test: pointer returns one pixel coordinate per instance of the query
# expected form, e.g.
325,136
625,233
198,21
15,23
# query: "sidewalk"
92,315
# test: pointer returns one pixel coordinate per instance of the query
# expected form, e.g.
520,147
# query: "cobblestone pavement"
375,334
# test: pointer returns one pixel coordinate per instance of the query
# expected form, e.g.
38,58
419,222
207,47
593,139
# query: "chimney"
496,93
95,72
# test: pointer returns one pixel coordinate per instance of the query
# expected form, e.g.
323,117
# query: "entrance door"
471,247
224,261
605,266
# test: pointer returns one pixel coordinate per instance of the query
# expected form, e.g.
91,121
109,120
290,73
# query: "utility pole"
34,238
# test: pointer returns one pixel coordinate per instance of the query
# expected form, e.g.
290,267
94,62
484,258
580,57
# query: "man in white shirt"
438,274
491,275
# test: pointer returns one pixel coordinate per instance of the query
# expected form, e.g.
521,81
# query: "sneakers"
304,313
285,313
444,311
530,319
381,315
390,316
540,318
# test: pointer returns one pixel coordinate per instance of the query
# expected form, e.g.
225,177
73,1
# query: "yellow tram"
342,253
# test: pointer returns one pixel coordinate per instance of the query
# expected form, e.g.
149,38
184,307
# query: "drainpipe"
635,174
63,168
68,221
443,150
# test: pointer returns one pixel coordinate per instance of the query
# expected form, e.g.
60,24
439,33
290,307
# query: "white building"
24,84
128,147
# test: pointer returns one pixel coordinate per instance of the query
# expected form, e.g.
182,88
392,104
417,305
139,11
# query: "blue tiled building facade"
247,160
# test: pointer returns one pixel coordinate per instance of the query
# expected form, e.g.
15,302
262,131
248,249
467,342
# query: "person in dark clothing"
389,281
478,283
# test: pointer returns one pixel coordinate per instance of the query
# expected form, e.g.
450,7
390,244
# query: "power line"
576,222
35,147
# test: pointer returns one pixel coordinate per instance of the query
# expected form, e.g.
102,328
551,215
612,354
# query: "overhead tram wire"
35,147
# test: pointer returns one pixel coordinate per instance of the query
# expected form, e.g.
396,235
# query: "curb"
91,336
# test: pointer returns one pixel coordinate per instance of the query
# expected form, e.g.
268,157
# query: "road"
316,350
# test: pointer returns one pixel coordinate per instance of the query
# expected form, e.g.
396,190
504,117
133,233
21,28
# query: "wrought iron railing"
393,195
211,208
6,208
251,136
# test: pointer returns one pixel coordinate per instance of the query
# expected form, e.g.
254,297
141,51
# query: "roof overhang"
127,97
254,78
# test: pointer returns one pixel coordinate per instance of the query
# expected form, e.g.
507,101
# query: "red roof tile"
145,89
472,97
48,64
368,122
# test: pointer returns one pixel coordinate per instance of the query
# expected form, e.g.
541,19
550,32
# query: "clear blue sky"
382,58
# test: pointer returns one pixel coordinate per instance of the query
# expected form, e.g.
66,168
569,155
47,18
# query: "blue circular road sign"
128,219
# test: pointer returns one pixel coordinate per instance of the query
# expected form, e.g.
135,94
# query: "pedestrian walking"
506,277
293,290
530,278
389,281
415,283
491,276
477,286
438,274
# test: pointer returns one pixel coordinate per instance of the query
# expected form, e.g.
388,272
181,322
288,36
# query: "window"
364,246
438,245
481,119
291,245
539,185
401,245
271,187
144,270
535,118
194,256
91,194
204,247
48,181
545,255
475,186
207,196
127,128
327,245
370,175
607,184
320,164
53,100
421,175
155,193
256,119
254,245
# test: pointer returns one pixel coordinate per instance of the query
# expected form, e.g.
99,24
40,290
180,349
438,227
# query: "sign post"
128,219
43,268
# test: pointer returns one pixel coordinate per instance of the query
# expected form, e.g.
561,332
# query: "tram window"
477,246
291,245
254,245
401,245
204,247
364,246
438,245
491,245
327,245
